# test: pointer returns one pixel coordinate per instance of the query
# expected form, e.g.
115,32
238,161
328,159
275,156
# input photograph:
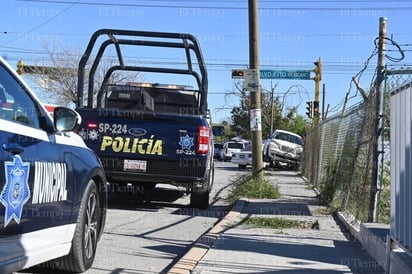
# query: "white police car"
53,196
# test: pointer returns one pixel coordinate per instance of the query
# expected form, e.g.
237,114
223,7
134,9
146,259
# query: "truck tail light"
91,125
203,139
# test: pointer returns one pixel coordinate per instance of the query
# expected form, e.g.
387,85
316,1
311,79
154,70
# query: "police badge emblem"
186,142
16,190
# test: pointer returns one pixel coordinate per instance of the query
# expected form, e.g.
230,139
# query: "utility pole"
255,104
379,114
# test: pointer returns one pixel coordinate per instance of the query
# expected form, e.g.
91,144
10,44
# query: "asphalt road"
150,236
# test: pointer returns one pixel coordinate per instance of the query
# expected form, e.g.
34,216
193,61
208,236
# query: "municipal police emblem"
16,191
186,142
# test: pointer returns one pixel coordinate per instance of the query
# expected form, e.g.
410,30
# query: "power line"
215,65
388,8
40,25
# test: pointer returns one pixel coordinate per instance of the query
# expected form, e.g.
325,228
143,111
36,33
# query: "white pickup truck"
283,147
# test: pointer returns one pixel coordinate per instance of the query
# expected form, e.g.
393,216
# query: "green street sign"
285,74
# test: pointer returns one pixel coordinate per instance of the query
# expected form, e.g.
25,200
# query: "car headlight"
273,146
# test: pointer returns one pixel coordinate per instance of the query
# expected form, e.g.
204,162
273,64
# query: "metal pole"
255,104
271,109
323,101
378,111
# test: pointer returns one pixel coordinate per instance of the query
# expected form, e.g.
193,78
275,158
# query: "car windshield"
235,145
289,138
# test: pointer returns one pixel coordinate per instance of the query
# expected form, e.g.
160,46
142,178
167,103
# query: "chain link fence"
338,159
397,77
338,156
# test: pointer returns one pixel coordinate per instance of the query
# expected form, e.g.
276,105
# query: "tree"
267,114
298,125
60,83
240,125
240,117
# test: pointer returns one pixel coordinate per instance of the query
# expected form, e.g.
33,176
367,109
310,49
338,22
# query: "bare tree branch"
60,84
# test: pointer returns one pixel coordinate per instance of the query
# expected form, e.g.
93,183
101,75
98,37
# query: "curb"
188,262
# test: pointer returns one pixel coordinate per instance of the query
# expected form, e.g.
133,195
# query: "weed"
250,187
328,185
384,197
275,223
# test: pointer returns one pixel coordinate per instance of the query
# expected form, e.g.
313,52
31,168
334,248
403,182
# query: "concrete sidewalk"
324,246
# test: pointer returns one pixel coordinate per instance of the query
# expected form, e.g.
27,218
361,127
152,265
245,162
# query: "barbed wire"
356,79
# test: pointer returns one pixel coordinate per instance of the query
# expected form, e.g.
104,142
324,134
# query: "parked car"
53,196
283,147
217,149
243,158
229,148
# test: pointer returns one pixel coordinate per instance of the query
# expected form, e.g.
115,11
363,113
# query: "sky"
292,36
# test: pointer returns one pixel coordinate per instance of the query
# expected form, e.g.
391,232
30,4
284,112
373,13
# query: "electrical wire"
367,62
393,59
231,64
356,78
42,24
100,3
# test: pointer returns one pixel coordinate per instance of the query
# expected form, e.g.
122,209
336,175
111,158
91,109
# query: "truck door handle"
13,148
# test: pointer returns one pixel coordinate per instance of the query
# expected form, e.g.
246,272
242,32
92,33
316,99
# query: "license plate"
134,165
241,156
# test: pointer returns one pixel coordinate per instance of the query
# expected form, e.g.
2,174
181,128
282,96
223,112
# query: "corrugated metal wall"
401,165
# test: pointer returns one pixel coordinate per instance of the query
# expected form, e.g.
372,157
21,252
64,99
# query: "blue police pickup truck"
53,195
151,132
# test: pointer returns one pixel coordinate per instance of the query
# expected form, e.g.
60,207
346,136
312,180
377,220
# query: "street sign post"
251,79
249,74
285,74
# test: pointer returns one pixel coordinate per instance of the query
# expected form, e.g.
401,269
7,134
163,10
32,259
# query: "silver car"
283,147
230,147
243,158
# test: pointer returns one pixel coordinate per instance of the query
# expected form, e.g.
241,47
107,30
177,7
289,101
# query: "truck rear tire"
199,200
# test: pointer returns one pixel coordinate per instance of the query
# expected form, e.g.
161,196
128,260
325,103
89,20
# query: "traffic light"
238,74
309,109
315,108
318,70
20,67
